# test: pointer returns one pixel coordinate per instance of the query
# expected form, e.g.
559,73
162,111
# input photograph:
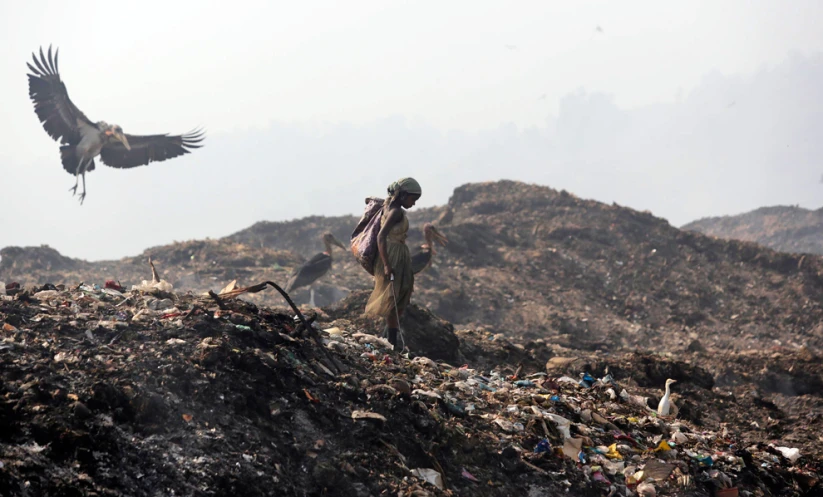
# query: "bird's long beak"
338,243
122,138
439,237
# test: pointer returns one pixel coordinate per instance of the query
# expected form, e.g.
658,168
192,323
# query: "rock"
402,386
556,364
696,346
81,411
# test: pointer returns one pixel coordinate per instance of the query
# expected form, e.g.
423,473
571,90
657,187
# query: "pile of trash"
146,391
786,228
524,260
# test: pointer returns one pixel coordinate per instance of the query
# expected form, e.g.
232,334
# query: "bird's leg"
73,189
83,195
80,171
311,296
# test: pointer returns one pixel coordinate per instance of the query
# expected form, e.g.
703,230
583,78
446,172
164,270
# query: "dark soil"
100,395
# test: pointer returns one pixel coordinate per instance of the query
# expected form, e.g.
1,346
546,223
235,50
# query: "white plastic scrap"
679,437
147,286
112,324
790,453
637,400
425,361
563,424
368,415
364,338
426,393
45,294
508,426
613,467
112,293
646,490
566,379
430,476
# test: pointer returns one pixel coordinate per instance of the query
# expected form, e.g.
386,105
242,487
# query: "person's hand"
387,271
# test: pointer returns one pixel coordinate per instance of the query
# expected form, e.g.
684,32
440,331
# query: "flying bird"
82,140
314,269
423,257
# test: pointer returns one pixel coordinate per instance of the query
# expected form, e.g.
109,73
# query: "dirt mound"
783,228
303,235
197,265
37,260
112,393
535,263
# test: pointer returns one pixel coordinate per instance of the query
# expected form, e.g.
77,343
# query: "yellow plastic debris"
612,453
663,445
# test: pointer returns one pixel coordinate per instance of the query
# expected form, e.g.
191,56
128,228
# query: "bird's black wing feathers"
310,271
149,148
420,260
57,113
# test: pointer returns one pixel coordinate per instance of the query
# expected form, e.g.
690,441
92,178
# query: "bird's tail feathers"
68,157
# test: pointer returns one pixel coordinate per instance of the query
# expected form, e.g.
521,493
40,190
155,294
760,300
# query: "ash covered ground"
540,339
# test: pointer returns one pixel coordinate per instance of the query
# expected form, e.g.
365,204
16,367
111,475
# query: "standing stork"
81,139
314,269
422,258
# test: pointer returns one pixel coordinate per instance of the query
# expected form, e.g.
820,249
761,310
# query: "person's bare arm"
395,215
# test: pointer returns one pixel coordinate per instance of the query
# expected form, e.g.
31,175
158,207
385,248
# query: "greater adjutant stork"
422,258
314,269
82,140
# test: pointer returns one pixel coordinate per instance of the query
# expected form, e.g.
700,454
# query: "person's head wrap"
405,185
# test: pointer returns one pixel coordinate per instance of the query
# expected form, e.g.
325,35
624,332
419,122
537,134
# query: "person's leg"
391,320
393,325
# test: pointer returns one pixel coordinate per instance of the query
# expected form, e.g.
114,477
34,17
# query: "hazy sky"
241,69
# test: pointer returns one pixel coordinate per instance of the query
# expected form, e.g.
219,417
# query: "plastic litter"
468,476
542,446
429,475
791,454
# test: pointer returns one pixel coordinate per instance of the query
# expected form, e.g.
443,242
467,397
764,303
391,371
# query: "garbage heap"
106,391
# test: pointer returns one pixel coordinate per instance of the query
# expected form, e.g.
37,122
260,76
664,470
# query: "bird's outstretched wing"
57,113
149,148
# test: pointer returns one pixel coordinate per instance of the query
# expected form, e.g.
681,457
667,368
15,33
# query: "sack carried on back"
364,236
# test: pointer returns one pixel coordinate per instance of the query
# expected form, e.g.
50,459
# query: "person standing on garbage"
393,276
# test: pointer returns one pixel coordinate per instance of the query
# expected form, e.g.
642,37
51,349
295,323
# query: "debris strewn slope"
532,262
782,228
147,393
